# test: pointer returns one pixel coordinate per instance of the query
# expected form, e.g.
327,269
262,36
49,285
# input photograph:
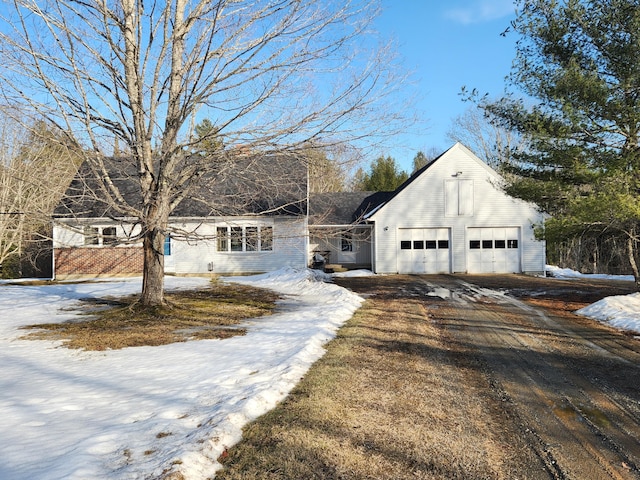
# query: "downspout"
307,233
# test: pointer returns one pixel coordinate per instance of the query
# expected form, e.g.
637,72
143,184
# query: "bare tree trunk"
632,251
153,273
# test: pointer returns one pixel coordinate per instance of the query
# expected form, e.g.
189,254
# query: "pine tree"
384,176
577,61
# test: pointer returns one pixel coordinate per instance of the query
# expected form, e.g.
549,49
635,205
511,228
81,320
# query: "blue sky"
447,45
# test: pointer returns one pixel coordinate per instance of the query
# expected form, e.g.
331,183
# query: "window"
430,244
236,239
512,243
266,238
244,239
405,245
91,236
500,244
346,244
251,239
222,237
109,236
418,244
443,243
167,245
487,243
474,244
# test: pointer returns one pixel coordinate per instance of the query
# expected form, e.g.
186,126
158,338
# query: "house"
249,216
450,216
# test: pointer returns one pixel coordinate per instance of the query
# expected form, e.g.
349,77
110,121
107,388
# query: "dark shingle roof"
271,185
343,208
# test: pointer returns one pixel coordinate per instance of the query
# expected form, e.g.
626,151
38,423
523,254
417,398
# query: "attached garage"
493,250
453,216
424,250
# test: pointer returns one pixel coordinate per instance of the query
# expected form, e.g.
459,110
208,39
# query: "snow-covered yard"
129,414
68,414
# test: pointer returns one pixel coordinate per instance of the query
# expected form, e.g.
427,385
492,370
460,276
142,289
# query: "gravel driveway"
566,388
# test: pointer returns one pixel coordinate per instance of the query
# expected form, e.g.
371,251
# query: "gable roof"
386,197
267,185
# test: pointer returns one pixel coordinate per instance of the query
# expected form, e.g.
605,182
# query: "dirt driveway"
565,389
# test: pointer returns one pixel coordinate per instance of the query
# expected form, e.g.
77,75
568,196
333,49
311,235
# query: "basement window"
104,236
91,236
109,236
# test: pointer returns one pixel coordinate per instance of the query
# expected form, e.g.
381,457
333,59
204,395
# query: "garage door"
493,250
424,250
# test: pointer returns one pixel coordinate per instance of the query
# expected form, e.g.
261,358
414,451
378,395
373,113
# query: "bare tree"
36,163
490,142
271,76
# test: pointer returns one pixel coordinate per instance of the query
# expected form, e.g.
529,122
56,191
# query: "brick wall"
108,261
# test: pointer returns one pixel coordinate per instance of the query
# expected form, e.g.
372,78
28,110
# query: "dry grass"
387,401
113,323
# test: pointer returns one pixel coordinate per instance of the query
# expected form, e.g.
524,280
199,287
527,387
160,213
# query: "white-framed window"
250,238
102,236
346,243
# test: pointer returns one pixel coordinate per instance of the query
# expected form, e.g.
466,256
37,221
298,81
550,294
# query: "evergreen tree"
577,61
384,176
419,161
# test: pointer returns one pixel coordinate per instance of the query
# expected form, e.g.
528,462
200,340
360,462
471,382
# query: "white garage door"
424,250
493,250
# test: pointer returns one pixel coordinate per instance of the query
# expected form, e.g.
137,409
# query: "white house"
451,216
249,218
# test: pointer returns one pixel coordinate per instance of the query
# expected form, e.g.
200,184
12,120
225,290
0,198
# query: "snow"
132,413
558,272
621,311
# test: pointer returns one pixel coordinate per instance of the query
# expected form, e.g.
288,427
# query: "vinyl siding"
202,256
195,250
426,203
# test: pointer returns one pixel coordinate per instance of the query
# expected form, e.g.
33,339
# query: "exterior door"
424,250
493,250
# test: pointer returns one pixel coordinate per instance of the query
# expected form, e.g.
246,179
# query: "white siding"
201,255
70,234
194,251
457,192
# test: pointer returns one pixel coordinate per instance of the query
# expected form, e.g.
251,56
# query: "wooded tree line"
37,162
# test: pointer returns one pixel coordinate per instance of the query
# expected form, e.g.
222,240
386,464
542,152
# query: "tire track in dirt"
575,424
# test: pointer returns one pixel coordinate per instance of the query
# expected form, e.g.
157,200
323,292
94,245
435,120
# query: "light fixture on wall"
386,229
457,174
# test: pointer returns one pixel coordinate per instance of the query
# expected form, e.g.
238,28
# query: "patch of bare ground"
114,323
391,399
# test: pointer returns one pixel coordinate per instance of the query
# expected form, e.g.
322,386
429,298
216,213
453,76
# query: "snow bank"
558,272
622,311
